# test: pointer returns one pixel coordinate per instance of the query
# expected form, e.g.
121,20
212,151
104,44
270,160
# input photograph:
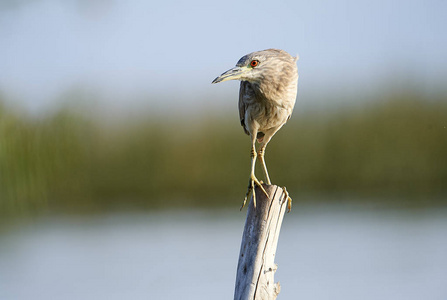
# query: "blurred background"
122,168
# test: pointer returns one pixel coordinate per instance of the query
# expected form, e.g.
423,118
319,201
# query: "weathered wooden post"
256,267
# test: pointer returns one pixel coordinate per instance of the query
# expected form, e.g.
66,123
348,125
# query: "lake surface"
323,253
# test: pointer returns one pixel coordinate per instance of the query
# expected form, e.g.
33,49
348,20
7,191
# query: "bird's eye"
254,63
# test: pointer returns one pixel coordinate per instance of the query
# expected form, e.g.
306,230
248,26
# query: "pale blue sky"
127,49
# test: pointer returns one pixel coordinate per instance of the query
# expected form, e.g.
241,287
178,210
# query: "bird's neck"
268,90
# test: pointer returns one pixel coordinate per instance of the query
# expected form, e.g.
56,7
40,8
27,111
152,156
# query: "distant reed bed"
395,148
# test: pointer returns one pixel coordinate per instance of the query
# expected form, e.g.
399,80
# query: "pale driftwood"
256,267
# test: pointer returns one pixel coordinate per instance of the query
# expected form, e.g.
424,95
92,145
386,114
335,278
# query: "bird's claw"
251,189
289,200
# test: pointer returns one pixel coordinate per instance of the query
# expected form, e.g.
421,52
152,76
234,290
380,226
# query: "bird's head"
258,66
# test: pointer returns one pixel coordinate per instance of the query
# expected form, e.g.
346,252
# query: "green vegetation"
395,148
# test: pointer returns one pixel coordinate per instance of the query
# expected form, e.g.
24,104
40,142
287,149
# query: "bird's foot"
251,189
289,200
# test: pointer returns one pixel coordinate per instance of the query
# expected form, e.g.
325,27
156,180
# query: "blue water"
323,253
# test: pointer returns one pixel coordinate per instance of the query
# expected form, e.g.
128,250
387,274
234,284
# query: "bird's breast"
268,115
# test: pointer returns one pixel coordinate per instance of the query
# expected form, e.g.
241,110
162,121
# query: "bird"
267,96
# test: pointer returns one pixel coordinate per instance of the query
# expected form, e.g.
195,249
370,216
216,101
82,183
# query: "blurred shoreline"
392,149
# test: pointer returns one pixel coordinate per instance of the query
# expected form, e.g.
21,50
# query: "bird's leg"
261,153
253,180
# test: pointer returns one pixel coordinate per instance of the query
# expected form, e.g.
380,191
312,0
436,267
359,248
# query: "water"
322,254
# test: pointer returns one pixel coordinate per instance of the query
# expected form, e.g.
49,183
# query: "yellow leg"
264,167
253,180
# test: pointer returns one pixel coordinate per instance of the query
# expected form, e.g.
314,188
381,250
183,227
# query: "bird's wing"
244,91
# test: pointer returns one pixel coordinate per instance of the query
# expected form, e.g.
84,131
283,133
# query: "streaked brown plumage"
267,94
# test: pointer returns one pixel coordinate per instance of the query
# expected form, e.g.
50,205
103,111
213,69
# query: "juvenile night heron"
267,94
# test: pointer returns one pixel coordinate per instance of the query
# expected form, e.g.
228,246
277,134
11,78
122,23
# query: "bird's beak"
232,74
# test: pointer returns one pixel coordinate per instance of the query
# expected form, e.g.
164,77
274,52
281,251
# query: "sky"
166,53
